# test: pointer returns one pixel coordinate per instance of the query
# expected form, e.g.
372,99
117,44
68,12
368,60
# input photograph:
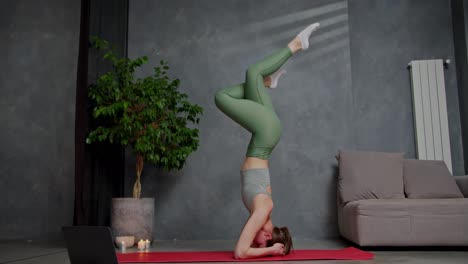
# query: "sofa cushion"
370,175
406,222
429,179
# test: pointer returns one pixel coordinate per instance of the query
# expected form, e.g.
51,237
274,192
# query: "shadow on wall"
333,32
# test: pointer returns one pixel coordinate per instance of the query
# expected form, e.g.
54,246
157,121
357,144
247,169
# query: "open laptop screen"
90,244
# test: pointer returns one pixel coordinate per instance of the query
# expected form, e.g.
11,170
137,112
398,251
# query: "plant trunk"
139,169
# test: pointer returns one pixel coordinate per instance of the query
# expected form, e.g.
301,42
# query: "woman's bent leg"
254,87
261,121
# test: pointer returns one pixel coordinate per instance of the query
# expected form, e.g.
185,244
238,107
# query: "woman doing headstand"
250,106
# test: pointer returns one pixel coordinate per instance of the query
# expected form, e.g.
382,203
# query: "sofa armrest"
462,182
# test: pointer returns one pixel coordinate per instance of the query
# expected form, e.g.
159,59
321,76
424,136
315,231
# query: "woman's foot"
301,41
305,35
272,80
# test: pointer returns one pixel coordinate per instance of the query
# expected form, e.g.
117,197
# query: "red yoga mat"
349,253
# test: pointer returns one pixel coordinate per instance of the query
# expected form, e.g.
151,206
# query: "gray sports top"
253,182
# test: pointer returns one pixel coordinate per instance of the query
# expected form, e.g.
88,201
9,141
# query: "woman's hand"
277,249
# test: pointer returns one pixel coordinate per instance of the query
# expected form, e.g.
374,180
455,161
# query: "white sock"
274,78
305,35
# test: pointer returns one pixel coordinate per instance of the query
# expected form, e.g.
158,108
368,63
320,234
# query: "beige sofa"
386,200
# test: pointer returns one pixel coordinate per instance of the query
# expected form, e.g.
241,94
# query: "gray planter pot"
133,217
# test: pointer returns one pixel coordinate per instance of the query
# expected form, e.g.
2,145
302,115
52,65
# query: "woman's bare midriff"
254,163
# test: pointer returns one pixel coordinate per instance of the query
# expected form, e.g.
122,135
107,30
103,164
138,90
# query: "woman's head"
264,234
281,235
262,237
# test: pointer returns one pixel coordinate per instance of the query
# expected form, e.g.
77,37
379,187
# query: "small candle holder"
129,241
147,244
141,245
122,246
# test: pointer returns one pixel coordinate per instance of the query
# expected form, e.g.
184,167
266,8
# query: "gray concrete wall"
385,36
323,102
209,45
37,103
335,95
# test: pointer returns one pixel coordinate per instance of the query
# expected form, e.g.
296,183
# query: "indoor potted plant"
151,116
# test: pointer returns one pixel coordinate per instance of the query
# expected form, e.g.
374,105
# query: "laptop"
90,244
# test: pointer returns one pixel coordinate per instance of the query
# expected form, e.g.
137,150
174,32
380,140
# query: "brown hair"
281,235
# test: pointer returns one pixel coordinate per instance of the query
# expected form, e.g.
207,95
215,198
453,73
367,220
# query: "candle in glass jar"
147,244
141,244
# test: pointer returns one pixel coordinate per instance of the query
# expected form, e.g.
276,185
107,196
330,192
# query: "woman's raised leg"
254,87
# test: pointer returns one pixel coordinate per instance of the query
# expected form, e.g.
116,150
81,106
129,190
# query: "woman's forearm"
247,236
255,253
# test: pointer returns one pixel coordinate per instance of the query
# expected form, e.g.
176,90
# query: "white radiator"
430,111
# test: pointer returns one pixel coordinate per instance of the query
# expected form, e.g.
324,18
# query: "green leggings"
250,106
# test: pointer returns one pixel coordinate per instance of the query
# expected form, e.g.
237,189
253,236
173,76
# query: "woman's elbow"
240,254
